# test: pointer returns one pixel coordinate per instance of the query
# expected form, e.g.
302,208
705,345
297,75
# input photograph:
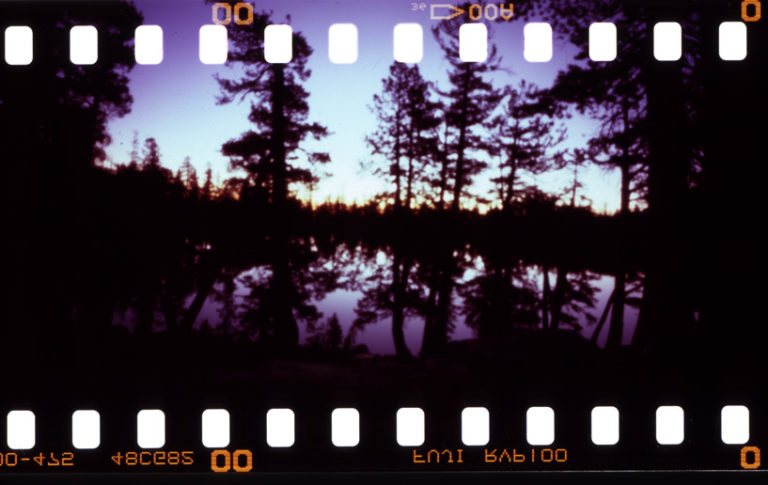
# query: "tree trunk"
398,201
205,285
575,185
625,165
279,167
436,334
444,169
399,287
558,297
603,318
285,328
429,317
510,182
461,146
616,328
409,180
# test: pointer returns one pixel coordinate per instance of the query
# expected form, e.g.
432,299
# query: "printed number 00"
231,461
248,20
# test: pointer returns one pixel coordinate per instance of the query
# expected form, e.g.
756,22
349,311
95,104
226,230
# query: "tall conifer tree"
470,100
271,153
526,133
406,135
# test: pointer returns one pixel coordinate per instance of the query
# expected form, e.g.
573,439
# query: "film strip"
433,239
343,39
670,424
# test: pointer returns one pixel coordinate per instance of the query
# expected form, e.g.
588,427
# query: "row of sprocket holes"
408,40
410,427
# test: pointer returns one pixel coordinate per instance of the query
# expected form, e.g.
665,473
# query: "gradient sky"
175,101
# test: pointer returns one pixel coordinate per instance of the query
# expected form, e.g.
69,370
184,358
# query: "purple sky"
175,101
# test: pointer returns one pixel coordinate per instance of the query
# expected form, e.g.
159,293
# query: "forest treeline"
88,241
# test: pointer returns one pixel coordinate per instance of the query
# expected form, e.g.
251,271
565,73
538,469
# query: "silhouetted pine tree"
190,178
272,156
440,180
178,178
134,149
470,101
207,191
526,133
619,104
405,136
575,159
151,159
271,153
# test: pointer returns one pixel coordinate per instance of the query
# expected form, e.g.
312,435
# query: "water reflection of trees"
270,296
388,292
495,294
281,295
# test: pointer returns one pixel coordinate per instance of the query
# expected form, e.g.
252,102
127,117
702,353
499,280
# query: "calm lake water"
377,336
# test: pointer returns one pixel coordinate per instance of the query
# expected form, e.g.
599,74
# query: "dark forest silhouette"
90,245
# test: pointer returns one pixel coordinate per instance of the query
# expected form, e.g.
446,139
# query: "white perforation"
667,41
473,42
150,428
20,428
278,44
213,44
605,425
408,42
602,41
86,429
537,42
215,428
342,43
345,427
83,45
540,426
149,44
280,428
670,425
734,425
410,426
475,426
733,41
18,45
